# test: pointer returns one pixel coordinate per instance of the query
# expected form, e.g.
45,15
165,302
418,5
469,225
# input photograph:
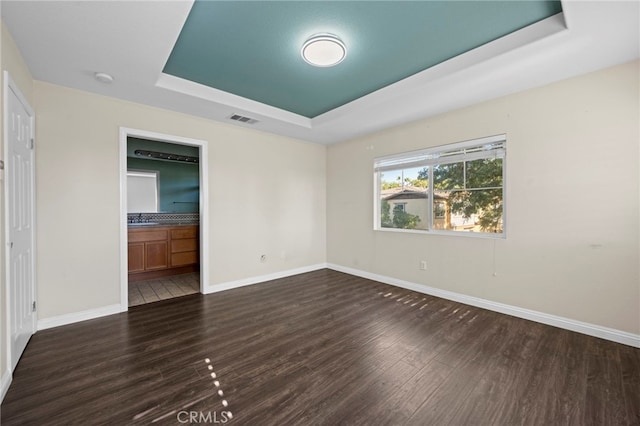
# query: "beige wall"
13,62
572,194
266,192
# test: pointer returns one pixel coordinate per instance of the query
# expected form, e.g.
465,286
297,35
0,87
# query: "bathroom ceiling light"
103,77
156,155
324,50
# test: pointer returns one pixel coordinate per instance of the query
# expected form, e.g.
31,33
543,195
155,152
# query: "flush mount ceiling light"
324,50
103,77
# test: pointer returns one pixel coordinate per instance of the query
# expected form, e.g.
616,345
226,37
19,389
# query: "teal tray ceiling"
252,49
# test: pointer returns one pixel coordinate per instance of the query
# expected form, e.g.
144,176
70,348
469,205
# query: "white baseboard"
5,381
262,278
541,317
65,319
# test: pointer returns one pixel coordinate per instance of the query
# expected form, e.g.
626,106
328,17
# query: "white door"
19,210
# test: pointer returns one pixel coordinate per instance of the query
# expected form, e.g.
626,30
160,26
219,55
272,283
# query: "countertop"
145,225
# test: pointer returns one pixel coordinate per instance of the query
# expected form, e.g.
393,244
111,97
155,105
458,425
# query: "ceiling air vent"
243,119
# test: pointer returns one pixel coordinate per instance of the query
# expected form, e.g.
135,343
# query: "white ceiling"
66,42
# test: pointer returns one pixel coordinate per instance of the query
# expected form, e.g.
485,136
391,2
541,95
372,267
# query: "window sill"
502,236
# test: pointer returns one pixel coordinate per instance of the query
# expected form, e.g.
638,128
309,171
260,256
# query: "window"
399,207
457,188
142,191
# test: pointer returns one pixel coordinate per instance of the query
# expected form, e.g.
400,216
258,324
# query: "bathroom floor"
142,292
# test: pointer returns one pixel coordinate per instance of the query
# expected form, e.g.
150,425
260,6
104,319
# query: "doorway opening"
164,217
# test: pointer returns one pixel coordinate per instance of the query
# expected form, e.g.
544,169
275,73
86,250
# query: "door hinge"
34,306
32,143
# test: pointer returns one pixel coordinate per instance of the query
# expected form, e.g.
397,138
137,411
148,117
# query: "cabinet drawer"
184,232
150,235
187,244
183,259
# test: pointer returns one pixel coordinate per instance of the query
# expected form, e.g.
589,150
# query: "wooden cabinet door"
156,255
136,257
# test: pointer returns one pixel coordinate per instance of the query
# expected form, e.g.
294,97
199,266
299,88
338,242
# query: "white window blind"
489,147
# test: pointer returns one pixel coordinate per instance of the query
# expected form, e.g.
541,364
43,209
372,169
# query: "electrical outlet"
423,265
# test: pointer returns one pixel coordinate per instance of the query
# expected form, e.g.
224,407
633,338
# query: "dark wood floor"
322,348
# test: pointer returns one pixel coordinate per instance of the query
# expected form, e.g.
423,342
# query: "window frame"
442,154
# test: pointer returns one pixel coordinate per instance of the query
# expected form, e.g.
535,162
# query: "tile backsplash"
165,218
